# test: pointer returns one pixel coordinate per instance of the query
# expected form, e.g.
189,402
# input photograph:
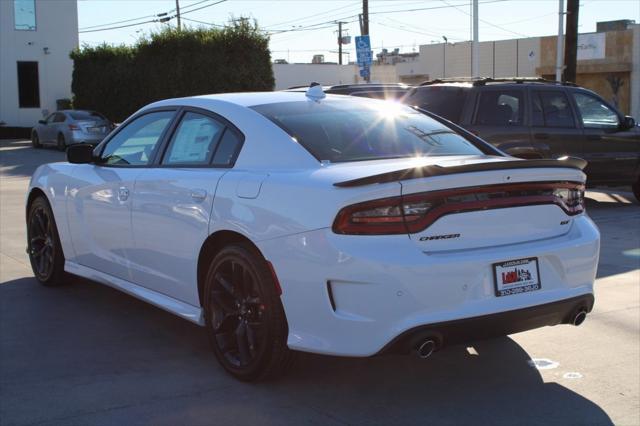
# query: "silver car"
67,127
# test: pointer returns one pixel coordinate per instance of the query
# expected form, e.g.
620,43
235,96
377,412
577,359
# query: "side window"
59,118
50,118
228,148
552,109
136,143
500,108
594,113
195,140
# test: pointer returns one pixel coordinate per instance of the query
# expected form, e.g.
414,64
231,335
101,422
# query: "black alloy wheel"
244,316
43,244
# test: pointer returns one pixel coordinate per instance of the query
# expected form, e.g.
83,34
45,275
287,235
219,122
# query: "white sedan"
288,221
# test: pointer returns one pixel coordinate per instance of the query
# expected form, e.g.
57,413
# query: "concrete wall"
57,29
288,75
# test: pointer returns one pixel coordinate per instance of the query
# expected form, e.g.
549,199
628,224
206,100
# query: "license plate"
99,129
516,276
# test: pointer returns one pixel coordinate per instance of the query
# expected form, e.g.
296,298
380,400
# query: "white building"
36,37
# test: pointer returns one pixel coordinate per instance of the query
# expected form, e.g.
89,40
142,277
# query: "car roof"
250,99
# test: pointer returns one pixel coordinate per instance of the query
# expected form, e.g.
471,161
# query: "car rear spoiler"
435,170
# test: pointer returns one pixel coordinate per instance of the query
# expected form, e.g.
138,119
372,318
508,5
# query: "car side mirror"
628,122
80,154
42,121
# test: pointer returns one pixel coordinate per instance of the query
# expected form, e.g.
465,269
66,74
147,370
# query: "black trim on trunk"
435,170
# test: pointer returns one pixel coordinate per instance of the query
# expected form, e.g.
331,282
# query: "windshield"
357,130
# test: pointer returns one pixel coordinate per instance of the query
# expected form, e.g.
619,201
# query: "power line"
203,7
483,21
124,26
164,15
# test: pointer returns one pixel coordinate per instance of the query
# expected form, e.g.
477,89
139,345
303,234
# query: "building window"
24,14
28,85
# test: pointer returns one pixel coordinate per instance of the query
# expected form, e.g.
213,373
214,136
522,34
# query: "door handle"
123,193
541,135
198,194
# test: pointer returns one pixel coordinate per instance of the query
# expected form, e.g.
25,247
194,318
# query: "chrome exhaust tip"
580,316
426,348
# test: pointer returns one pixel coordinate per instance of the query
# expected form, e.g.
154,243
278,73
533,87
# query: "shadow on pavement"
19,159
87,354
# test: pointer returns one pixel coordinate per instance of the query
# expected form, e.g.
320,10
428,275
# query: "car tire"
636,189
43,244
244,317
35,140
62,143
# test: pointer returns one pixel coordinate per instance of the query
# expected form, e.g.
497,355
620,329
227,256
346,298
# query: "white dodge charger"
337,225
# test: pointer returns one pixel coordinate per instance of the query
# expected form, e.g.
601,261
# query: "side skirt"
162,301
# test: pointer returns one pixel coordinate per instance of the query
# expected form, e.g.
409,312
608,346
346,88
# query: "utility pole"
340,42
571,41
475,57
178,14
365,26
560,42
365,17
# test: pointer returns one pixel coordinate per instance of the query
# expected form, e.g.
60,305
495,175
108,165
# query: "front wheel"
244,317
35,140
43,244
636,189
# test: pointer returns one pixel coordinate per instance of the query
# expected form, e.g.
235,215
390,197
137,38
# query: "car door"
99,206
47,133
613,152
172,202
499,119
554,127
57,126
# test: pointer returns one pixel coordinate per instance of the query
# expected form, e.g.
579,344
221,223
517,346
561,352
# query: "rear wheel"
244,316
636,189
62,144
35,140
43,244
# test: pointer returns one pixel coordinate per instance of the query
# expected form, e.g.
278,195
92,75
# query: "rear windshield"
353,129
86,115
445,101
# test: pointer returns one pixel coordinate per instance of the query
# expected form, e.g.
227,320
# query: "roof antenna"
315,92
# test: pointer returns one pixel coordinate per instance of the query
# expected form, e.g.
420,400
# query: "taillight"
415,212
73,127
571,198
375,217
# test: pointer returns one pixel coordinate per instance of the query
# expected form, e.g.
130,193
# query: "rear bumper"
494,325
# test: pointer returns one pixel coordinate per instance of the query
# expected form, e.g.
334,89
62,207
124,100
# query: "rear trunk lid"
461,204
492,208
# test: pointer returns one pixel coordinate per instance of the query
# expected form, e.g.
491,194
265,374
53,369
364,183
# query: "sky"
301,28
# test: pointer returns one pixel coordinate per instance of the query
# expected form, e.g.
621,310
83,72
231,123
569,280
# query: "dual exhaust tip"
426,347
579,317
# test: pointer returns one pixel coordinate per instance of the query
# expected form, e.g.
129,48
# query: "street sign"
363,51
364,72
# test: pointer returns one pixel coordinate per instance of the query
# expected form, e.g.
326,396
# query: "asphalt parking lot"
85,354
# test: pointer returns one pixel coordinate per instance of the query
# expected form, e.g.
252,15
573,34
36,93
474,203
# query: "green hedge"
117,80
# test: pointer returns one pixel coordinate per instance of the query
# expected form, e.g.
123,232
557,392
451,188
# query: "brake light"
73,127
415,212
